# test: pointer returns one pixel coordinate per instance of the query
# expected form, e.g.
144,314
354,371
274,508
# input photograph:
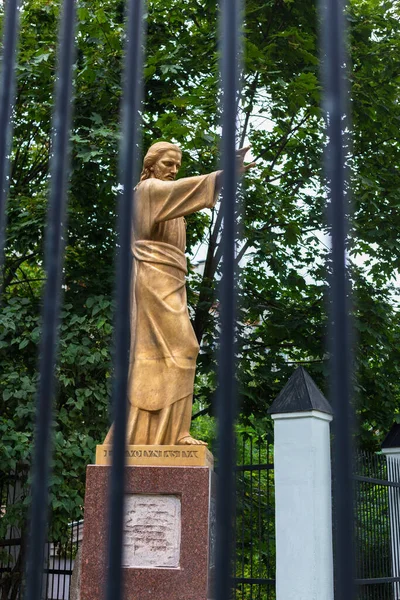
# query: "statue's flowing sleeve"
172,199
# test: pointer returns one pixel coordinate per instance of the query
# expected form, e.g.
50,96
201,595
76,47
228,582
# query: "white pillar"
303,505
393,471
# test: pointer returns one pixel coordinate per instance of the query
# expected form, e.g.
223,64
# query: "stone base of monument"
169,533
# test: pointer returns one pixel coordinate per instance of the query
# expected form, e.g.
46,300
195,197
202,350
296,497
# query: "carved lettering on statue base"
193,456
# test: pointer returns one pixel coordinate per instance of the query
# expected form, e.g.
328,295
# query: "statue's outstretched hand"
241,167
240,154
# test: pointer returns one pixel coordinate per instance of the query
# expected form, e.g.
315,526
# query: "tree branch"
13,268
253,90
283,140
204,411
26,280
206,295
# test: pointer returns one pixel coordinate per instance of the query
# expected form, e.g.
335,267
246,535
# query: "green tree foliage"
282,238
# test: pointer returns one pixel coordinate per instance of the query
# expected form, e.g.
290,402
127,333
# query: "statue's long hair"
154,153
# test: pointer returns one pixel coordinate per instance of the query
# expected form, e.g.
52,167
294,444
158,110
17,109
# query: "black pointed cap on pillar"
300,394
392,440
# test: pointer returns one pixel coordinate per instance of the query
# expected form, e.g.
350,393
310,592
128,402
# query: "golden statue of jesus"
164,347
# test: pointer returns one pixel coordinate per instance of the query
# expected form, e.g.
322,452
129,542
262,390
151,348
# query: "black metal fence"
59,554
377,527
335,104
255,522
377,530
254,534
12,546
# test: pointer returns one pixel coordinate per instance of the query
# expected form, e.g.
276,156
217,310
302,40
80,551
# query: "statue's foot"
188,440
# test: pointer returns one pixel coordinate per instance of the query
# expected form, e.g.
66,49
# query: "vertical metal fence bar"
7,88
374,512
358,554
71,561
3,501
384,524
53,262
394,522
46,574
371,510
259,534
68,562
230,26
11,529
267,519
52,565
362,528
368,520
392,516
370,527
367,528
370,516
235,534
377,518
396,471
333,35
251,519
380,527
363,521
128,171
243,512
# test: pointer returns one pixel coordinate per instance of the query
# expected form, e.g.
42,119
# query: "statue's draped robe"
164,347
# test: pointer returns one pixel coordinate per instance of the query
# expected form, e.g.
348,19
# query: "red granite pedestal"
191,576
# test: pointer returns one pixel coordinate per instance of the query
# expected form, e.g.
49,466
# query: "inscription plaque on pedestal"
171,456
152,531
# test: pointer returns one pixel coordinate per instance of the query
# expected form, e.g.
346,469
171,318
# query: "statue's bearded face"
167,167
